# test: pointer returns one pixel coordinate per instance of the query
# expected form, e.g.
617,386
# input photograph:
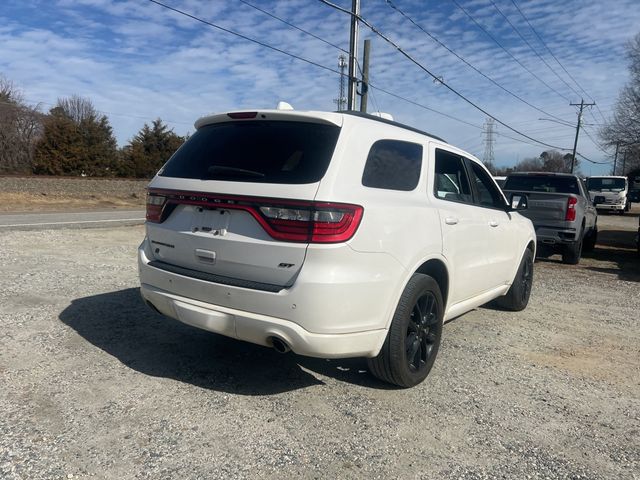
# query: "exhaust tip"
280,345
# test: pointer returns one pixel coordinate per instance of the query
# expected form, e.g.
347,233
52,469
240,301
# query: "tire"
517,298
590,240
572,252
413,340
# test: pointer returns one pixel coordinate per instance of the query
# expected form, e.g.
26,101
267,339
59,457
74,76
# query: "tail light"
282,219
570,216
155,207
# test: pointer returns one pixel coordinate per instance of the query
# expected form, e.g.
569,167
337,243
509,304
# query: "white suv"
331,235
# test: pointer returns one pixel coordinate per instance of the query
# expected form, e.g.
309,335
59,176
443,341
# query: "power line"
533,49
593,161
399,97
438,79
554,57
495,40
459,57
535,143
593,140
294,26
244,37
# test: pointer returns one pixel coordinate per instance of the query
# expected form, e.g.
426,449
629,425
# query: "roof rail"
389,122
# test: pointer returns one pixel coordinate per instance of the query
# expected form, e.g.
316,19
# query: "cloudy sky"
137,61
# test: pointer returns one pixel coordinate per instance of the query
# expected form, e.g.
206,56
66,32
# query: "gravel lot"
95,385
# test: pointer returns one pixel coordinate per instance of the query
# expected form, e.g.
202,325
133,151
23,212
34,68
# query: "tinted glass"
542,183
451,182
606,184
256,151
488,194
393,165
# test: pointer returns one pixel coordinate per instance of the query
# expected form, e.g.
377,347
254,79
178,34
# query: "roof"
300,115
546,174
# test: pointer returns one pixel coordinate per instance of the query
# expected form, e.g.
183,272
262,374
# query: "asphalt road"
37,221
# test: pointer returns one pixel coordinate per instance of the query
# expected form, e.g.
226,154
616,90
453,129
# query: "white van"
331,235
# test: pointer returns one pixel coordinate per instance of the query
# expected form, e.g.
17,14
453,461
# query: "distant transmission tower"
341,101
489,129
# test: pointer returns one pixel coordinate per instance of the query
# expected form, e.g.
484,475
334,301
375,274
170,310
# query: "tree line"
547,161
74,139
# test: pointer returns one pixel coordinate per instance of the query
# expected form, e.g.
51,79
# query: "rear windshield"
256,151
542,183
596,184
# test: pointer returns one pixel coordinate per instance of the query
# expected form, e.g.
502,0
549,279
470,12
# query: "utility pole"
365,76
615,158
341,101
353,54
575,143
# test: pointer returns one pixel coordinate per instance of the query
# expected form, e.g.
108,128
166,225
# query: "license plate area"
211,221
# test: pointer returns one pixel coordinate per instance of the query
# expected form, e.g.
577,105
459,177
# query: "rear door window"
256,151
394,165
451,181
487,192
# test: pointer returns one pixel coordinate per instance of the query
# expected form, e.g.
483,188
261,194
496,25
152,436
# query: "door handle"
451,220
493,223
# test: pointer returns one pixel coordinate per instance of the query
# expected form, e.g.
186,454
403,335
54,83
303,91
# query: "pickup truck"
561,210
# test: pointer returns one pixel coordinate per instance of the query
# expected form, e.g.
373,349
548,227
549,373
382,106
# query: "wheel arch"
437,269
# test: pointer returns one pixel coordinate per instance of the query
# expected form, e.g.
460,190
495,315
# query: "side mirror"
598,199
518,201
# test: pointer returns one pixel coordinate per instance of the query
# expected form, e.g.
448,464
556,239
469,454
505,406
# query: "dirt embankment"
28,194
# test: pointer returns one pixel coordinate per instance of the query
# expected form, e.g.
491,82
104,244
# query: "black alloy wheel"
413,339
526,279
517,298
421,332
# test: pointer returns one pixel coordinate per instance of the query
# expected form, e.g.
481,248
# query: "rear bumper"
339,306
547,235
616,207
261,329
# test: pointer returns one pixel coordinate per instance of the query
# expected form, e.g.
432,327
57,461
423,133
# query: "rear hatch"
549,196
235,204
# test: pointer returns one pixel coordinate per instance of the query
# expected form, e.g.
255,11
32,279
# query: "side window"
488,194
450,180
393,165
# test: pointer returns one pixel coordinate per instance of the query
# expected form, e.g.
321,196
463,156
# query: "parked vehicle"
633,196
332,235
561,210
613,190
500,180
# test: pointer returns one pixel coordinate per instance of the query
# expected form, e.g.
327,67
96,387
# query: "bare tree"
20,128
77,108
554,161
623,129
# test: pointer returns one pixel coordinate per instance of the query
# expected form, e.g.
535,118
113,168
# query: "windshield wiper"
220,171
